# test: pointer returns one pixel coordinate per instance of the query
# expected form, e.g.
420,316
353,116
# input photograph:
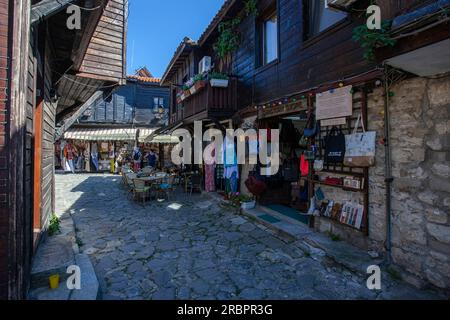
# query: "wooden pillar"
37,160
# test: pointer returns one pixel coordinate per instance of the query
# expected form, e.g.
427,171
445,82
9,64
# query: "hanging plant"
251,7
372,39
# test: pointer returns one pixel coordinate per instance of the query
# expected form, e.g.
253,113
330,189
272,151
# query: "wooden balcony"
209,102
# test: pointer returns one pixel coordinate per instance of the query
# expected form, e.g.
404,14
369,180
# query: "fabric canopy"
114,134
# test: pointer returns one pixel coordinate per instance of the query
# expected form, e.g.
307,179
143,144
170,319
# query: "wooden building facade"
48,72
292,51
141,102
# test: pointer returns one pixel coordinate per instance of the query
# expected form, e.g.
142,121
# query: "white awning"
114,134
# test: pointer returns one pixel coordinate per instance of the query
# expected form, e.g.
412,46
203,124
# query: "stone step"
89,284
341,253
52,257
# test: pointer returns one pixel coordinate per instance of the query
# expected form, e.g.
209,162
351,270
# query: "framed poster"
336,103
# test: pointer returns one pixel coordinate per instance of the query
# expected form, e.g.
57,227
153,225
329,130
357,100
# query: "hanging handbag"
290,171
318,165
303,143
304,166
335,146
360,147
312,132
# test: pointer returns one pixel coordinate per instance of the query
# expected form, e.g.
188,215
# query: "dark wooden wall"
16,127
4,179
130,104
301,64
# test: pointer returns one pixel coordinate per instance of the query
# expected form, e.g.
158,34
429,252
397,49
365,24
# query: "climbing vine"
372,39
229,36
251,7
228,39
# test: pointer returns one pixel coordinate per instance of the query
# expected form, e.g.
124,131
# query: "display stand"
359,106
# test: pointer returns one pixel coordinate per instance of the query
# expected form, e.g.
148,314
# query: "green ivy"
371,39
251,7
229,37
228,40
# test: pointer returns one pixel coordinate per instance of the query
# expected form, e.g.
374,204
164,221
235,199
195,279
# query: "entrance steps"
54,255
313,243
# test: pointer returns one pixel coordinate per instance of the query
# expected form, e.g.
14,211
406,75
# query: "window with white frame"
320,16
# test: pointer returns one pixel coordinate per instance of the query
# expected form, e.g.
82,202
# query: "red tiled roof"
144,79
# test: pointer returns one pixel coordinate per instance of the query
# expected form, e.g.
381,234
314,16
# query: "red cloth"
304,166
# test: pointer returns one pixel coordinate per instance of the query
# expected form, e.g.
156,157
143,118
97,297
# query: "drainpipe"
388,165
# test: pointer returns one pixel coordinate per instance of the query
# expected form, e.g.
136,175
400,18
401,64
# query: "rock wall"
420,145
420,129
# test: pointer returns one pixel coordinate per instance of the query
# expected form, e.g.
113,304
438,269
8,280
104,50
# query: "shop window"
268,35
318,17
158,102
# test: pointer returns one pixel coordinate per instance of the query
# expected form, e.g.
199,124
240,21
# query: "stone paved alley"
196,251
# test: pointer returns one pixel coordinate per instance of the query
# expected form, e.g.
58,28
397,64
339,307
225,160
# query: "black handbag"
290,171
335,146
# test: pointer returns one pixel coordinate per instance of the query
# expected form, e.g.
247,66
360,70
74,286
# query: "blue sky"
156,28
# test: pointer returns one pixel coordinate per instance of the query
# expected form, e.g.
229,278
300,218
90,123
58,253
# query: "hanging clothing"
230,170
231,184
229,153
210,185
94,156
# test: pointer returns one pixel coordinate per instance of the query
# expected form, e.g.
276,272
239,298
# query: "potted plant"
186,92
199,82
218,80
243,201
247,202
180,97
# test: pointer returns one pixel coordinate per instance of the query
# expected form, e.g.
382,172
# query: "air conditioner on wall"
204,65
341,5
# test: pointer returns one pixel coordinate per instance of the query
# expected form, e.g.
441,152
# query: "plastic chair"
195,182
129,182
167,186
140,190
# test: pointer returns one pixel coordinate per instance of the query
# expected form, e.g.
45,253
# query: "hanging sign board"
336,103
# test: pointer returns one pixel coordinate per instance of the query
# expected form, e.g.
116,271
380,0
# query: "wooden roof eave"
47,8
179,57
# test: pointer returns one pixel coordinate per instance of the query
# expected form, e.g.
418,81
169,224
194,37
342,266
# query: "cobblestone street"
190,248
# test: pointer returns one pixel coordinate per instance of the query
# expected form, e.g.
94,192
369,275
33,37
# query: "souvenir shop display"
352,214
335,146
353,183
345,150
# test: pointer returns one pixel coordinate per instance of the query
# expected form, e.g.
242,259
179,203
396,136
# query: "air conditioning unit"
204,65
341,5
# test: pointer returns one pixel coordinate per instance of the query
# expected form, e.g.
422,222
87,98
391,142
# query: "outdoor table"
153,178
